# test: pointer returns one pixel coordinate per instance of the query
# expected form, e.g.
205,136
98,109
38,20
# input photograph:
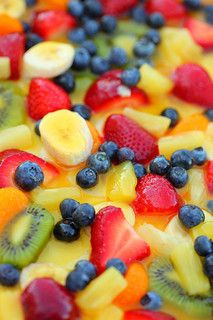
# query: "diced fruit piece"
54,4
101,291
10,304
113,237
16,137
190,123
125,41
108,93
45,298
207,63
14,9
146,315
176,229
109,313
5,68
170,9
121,183
48,59
127,133
137,286
209,176
197,193
116,7
203,229
189,268
201,32
9,24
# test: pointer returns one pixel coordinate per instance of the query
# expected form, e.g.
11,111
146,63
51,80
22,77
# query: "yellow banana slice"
14,8
66,137
48,59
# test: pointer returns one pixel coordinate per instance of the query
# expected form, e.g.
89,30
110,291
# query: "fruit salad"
106,160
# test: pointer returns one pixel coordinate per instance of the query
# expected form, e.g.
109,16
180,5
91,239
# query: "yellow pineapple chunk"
19,137
102,291
205,228
10,304
197,187
208,143
4,68
110,313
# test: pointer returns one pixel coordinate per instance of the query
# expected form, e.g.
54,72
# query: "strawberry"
127,133
155,196
193,84
11,159
12,46
106,93
44,97
146,315
201,32
209,175
51,22
112,236
116,7
170,9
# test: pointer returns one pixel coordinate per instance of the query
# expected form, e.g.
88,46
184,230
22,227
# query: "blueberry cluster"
204,248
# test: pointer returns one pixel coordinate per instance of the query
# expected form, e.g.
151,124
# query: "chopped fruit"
9,275
28,176
110,312
10,297
5,68
197,192
137,286
9,24
177,230
48,23
108,93
14,9
54,4
172,114
44,97
127,133
190,123
201,32
12,46
170,9
209,176
15,137
203,229
147,315
113,237
116,8
151,301
117,264
97,139
156,196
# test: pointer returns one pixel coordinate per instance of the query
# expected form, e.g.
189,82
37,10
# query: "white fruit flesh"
14,8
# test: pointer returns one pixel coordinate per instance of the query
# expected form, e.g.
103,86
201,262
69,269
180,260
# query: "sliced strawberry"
155,196
127,133
51,22
12,46
209,175
170,9
11,160
108,92
201,32
146,315
44,97
193,84
116,7
112,236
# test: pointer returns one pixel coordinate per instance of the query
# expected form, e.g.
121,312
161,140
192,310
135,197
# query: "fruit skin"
28,176
203,246
208,265
87,267
82,110
9,275
117,264
182,158
67,207
191,216
199,156
77,281
159,165
146,315
151,301
84,215
115,7
99,161
66,230
170,9
178,177
201,32
87,178
172,114
209,176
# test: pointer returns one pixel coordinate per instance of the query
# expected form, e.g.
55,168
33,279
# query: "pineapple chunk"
18,137
176,229
208,143
157,125
189,268
109,313
207,63
10,304
4,68
205,228
102,291
197,187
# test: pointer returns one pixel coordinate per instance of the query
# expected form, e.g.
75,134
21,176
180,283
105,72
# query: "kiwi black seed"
25,236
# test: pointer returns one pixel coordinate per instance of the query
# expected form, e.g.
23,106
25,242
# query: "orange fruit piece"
12,201
9,25
193,122
54,4
137,287
97,140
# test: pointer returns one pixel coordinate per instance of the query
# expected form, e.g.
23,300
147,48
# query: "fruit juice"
106,160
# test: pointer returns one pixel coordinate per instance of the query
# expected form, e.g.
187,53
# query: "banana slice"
66,137
48,59
14,8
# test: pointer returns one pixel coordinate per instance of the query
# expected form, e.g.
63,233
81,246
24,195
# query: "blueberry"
77,35
208,11
141,61
77,281
153,36
86,267
192,4
81,59
83,110
66,81
160,165
87,178
28,175
99,161
84,215
210,205
67,207
110,148
144,48
138,14
117,264
151,301
172,114
178,177
209,113
99,65
37,130
208,265
67,231
125,154
26,26
130,77
32,39
91,27
108,23
93,8
191,216
90,46
140,170
203,246
9,275
75,8
156,20
30,3
118,57
182,158
199,156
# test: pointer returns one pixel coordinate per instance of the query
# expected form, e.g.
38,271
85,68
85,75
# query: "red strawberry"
127,133
155,196
201,32
116,7
12,46
106,93
11,159
51,22
112,236
146,315
170,9
209,175
44,97
193,84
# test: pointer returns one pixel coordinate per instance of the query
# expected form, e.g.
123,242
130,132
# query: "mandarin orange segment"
97,140
9,25
54,4
193,122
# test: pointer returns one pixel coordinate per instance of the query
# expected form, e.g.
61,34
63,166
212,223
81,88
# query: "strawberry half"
44,97
193,84
146,315
170,9
156,196
209,176
11,159
127,133
12,46
116,7
108,92
113,237
51,22
201,32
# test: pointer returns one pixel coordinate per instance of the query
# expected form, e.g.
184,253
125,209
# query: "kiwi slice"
164,280
132,27
25,236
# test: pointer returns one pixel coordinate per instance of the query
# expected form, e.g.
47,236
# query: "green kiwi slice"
164,281
25,236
